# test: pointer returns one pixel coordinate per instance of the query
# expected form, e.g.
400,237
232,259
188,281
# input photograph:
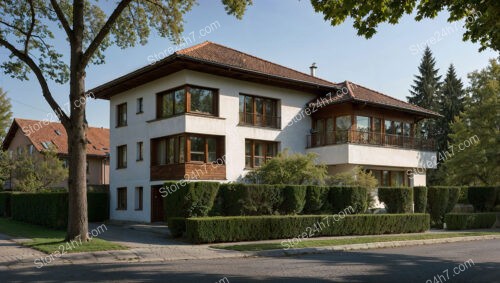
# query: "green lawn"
347,241
49,240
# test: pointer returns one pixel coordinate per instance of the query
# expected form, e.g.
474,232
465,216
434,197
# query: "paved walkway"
11,253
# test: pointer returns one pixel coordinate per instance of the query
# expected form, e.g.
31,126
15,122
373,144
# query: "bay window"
186,148
186,99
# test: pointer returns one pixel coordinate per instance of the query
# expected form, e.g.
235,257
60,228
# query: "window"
139,150
362,128
121,152
121,194
343,125
30,149
259,111
121,115
172,150
258,152
88,167
186,99
138,198
139,109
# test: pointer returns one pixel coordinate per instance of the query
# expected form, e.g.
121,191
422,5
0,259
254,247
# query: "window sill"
137,209
118,168
257,126
121,209
141,112
139,160
187,114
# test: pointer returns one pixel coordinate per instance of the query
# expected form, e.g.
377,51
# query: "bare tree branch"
94,45
39,74
62,19
32,26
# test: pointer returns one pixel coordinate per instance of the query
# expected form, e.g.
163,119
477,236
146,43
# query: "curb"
367,246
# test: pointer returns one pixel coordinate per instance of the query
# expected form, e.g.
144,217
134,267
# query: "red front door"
156,204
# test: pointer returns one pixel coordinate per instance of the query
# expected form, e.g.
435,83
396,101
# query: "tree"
481,17
33,172
5,113
290,169
474,157
357,177
6,166
27,30
424,90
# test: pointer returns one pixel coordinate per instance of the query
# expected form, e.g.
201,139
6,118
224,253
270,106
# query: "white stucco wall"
140,127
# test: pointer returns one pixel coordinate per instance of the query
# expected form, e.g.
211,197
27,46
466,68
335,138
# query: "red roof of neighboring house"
43,133
353,92
217,59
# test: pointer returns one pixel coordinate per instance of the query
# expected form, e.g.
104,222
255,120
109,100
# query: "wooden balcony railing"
257,119
369,138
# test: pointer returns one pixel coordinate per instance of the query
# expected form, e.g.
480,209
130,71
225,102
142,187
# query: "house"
210,112
36,136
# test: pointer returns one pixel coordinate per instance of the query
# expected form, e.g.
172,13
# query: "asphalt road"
406,264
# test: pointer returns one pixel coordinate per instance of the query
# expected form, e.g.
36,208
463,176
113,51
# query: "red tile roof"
358,93
40,132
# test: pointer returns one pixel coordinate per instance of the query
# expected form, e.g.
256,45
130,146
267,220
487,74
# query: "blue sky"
288,33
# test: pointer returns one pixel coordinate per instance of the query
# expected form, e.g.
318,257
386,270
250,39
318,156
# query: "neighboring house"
36,136
210,112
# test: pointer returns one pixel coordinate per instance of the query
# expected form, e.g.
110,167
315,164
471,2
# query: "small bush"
252,228
344,197
316,200
294,199
420,199
397,199
437,203
189,200
482,198
245,199
461,221
177,226
5,204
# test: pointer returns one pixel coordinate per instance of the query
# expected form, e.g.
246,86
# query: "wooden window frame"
118,202
266,151
186,138
187,101
120,163
275,124
119,121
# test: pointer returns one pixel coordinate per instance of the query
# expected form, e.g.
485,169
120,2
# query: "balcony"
259,120
369,138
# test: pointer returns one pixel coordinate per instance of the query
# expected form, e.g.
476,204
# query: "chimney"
313,69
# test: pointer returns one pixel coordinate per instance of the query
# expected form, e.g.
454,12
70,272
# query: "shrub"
316,200
461,221
437,203
294,199
189,199
420,199
453,197
397,199
244,199
177,226
343,197
5,203
463,199
51,209
248,228
482,198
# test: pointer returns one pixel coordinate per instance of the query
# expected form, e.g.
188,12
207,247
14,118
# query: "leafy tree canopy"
5,113
481,17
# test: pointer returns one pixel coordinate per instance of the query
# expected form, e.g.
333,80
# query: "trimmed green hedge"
294,199
317,200
453,197
5,204
344,197
441,200
177,226
188,199
482,198
244,199
251,228
420,199
397,199
461,221
464,198
51,209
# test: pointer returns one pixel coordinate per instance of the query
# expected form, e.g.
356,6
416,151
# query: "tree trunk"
77,134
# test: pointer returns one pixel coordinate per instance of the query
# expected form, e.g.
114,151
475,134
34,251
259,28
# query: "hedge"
464,199
51,209
177,226
343,197
244,199
252,228
441,200
317,200
461,221
482,198
420,199
294,199
397,199
453,197
188,199
5,204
